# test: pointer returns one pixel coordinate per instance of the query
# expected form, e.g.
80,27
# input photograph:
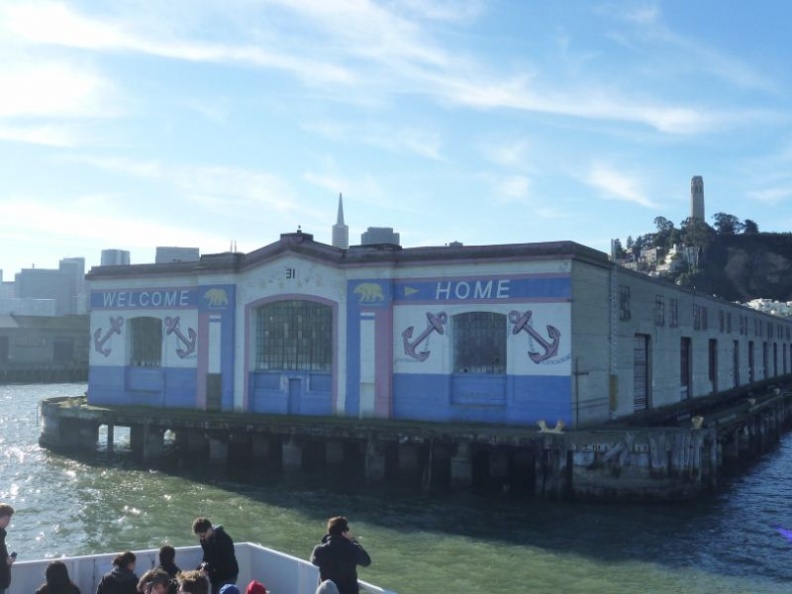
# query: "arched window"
145,342
480,343
294,335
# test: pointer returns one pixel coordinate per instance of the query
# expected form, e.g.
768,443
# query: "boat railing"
279,572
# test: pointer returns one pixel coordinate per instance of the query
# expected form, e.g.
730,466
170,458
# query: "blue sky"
132,124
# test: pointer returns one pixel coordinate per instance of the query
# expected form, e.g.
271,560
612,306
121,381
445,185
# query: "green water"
419,543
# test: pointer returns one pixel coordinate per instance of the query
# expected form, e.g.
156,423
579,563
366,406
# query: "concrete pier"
676,460
375,461
461,465
292,456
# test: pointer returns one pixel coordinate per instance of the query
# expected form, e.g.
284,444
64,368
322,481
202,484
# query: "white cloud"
771,195
361,44
508,154
55,135
514,187
615,185
53,89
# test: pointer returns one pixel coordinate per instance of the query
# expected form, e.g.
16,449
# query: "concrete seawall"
613,463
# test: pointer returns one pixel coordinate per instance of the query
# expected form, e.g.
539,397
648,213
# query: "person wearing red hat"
255,587
338,556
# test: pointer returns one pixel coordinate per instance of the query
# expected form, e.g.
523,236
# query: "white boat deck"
280,573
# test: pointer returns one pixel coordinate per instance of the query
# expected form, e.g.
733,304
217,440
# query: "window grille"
659,311
145,337
480,343
624,303
294,335
674,313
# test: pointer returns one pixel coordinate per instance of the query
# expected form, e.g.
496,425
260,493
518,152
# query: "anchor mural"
436,323
172,325
522,322
99,341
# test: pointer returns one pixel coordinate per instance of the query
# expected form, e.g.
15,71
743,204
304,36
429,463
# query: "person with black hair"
122,578
167,561
219,560
338,556
57,580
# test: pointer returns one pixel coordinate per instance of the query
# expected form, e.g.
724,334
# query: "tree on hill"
695,232
726,224
751,228
666,234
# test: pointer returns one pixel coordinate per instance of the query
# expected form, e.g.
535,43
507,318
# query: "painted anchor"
172,325
99,341
521,322
436,323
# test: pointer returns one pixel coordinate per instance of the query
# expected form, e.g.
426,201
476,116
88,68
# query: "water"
419,543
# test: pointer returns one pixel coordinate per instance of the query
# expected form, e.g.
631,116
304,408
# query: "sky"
223,123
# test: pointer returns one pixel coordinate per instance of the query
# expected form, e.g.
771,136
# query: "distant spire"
340,217
340,230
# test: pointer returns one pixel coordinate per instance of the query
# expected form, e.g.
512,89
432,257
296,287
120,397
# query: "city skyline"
205,124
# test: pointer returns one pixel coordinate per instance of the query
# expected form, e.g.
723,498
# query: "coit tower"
697,198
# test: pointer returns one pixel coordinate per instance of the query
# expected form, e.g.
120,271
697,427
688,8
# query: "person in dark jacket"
219,560
167,561
6,560
338,556
57,580
122,579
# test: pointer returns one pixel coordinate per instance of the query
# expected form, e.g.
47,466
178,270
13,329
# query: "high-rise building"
379,235
697,198
66,285
340,230
177,254
115,258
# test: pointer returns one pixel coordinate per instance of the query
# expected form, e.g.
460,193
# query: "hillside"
746,266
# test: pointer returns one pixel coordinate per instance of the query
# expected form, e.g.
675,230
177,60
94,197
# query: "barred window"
145,342
624,303
480,343
674,312
728,322
696,317
721,323
704,318
294,335
659,310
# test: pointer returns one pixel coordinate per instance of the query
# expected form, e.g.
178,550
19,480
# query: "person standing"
6,560
338,556
122,578
219,559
